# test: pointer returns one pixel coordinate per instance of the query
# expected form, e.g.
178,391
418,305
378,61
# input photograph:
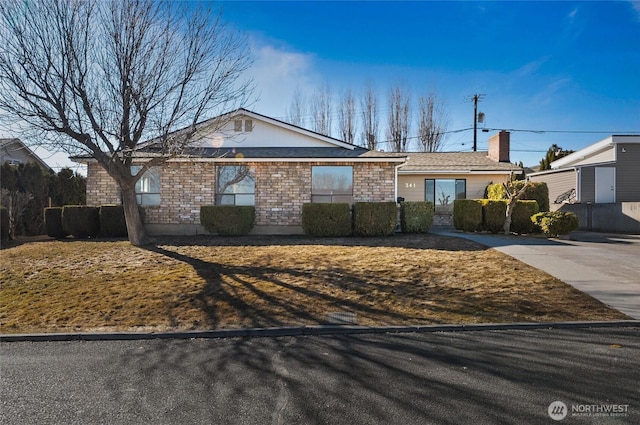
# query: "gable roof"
14,150
450,162
594,149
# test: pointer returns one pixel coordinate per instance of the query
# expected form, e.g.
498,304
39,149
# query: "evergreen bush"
521,217
4,223
53,222
112,221
375,218
81,221
556,223
326,219
416,217
228,220
493,215
467,215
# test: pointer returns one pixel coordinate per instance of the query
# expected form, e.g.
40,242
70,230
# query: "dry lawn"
213,283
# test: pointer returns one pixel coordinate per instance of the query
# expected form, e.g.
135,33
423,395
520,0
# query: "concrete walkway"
605,266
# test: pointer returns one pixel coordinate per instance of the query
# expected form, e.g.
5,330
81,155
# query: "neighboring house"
252,160
15,152
442,177
605,172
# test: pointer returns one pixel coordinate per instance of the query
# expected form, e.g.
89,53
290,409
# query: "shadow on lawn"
410,241
233,286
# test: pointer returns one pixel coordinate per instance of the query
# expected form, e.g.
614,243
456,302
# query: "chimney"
499,146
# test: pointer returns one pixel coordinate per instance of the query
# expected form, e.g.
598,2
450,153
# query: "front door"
605,185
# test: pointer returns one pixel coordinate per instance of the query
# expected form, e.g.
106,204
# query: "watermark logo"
557,410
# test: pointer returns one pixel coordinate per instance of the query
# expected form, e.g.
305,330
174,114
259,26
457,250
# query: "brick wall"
281,190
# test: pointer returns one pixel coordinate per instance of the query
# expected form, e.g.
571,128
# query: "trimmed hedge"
228,220
375,218
326,220
112,221
521,217
556,223
4,223
416,217
53,222
467,215
81,221
493,215
535,191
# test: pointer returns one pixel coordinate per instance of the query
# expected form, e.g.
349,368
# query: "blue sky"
562,66
570,67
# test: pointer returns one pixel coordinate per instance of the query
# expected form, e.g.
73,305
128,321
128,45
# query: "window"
235,185
148,186
237,125
442,192
331,184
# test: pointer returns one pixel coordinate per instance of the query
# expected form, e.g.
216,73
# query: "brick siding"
281,189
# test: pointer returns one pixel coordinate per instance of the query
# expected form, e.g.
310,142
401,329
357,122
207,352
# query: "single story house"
605,172
277,167
442,177
15,152
251,160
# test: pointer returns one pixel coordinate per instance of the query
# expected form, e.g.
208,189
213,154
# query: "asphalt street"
469,377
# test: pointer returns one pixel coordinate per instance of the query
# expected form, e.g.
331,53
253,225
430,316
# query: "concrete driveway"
605,266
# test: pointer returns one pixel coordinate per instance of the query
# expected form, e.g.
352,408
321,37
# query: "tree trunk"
135,227
507,221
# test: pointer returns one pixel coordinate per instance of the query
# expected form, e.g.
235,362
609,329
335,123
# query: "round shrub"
81,221
556,223
326,220
416,217
53,222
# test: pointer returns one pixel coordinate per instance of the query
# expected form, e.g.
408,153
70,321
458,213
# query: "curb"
309,331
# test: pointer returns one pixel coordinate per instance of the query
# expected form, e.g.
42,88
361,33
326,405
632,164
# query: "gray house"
600,183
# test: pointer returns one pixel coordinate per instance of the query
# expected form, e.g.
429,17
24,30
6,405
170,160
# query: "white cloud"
278,73
635,4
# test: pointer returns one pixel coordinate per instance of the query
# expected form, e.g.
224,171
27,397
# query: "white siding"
263,135
557,183
607,155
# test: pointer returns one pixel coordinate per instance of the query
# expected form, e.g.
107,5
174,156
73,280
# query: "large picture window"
235,185
332,184
148,186
442,192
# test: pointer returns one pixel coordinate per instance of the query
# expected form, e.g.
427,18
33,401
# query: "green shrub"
81,221
112,221
53,222
467,215
493,215
495,192
375,218
556,223
228,220
326,219
521,217
4,223
535,191
416,217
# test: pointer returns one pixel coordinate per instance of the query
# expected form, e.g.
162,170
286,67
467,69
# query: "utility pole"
476,97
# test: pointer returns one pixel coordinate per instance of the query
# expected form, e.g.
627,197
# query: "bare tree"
513,195
296,114
16,203
369,107
398,124
432,123
347,117
97,78
321,110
